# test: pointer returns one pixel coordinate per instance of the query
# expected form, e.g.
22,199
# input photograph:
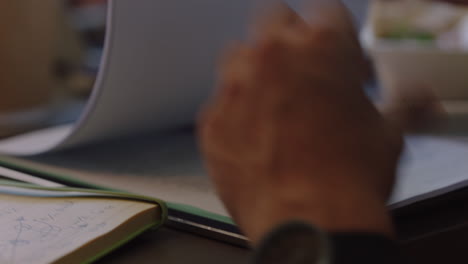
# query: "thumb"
331,13
413,110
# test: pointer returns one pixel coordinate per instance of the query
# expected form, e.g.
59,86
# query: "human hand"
291,134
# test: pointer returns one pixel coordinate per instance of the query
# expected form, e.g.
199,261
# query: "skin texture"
290,134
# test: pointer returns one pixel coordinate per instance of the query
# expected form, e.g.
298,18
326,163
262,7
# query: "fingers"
247,72
227,122
233,76
290,62
413,110
275,21
329,13
333,16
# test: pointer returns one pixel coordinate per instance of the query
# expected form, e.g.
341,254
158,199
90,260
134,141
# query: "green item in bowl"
410,35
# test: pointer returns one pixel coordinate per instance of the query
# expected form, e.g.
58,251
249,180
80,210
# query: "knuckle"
323,34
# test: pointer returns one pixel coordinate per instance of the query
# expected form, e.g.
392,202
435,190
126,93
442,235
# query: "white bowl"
402,65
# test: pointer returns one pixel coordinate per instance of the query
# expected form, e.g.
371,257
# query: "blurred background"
50,54
84,26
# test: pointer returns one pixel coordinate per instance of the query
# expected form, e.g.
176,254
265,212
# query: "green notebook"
70,225
79,224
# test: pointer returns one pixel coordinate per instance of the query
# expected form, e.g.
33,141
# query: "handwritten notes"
42,230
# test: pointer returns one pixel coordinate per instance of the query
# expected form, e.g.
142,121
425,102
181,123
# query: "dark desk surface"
436,230
168,246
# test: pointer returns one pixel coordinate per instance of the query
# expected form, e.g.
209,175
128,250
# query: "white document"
158,68
430,166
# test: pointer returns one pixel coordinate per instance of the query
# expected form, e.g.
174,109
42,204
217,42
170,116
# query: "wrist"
297,242
333,212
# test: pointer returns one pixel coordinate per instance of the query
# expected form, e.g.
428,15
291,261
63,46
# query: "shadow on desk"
169,246
174,247
435,230
450,246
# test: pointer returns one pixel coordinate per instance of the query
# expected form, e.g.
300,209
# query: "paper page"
157,69
43,230
430,166
36,142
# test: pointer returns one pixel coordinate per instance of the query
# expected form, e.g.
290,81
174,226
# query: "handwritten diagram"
41,230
